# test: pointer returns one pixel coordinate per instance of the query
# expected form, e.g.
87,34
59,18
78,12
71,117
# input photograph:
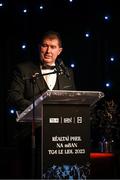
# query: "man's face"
49,50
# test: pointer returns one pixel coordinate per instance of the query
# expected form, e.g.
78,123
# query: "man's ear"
60,50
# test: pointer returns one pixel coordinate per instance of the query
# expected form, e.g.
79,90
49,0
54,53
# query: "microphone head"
60,62
62,66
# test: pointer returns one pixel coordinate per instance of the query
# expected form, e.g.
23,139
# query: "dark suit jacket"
20,94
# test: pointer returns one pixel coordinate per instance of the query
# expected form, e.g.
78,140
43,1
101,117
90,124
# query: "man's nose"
48,49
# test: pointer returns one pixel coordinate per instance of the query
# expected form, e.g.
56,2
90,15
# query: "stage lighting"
107,18
87,34
12,111
41,7
72,65
23,46
1,4
108,84
24,10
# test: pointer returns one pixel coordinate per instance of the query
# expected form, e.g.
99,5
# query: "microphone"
61,64
35,75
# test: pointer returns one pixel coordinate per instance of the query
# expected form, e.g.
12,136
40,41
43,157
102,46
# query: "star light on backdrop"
108,84
112,59
87,35
23,46
25,11
72,65
107,18
1,4
12,111
41,7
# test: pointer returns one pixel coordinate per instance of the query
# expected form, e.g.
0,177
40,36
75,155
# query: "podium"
64,117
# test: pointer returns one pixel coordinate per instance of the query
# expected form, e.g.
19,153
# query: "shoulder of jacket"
26,65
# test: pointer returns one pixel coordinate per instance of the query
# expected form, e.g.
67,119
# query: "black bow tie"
45,66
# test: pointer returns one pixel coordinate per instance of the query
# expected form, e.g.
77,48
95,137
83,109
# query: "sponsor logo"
53,120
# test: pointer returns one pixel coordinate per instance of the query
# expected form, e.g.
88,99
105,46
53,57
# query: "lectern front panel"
66,135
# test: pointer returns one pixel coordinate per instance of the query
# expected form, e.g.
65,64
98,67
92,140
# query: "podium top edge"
63,96
70,92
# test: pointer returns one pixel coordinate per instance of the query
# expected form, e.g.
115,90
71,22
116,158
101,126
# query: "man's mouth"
48,57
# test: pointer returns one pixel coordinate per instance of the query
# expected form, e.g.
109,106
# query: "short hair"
52,35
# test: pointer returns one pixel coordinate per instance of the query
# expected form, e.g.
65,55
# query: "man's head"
50,47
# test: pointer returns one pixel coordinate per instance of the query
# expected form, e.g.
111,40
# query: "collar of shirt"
50,78
46,66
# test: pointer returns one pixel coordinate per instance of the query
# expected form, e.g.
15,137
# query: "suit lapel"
42,85
64,82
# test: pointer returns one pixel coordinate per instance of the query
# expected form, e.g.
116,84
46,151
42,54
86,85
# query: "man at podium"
30,80
49,73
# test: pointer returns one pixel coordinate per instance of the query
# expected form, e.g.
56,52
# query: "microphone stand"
38,75
33,80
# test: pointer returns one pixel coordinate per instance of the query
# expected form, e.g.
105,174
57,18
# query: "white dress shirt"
50,78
